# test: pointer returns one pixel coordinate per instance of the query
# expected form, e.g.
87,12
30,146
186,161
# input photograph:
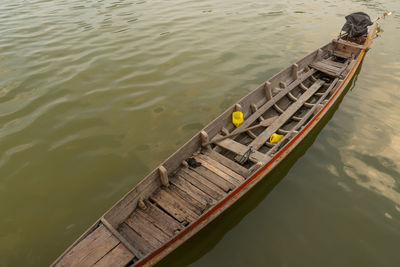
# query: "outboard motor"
357,24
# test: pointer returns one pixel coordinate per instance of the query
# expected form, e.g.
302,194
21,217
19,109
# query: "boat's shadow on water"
207,238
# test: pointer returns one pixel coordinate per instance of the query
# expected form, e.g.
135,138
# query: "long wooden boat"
178,199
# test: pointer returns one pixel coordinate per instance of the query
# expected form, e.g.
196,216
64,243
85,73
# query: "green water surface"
95,94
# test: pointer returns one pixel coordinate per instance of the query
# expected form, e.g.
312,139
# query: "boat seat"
328,68
346,43
342,54
240,149
334,63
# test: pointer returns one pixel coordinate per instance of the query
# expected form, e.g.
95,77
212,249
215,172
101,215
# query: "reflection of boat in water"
221,163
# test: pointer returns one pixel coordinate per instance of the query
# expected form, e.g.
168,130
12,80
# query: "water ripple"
86,86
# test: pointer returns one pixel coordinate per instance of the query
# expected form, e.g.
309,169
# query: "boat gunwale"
156,255
195,139
151,259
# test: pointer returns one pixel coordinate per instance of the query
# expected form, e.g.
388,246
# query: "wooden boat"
176,200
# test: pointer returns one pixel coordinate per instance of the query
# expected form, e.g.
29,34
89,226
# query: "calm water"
95,94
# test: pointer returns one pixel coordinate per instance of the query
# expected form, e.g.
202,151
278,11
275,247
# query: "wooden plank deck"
342,54
188,188
214,178
185,196
118,256
327,68
135,239
177,199
98,247
230,164
241,149
160,219
202,183
174,206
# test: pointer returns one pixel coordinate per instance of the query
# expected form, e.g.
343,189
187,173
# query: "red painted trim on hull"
151,258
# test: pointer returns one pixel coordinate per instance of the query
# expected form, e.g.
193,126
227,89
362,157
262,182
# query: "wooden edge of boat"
119,236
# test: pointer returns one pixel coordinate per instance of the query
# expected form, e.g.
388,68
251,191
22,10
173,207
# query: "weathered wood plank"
160,219
146,230
328,69
118,256
202,183
342,54
223,168
193,204
261,110
232,165
263,137
334,63
254,108
325,65
263,123
174,207
219,172
91,249
192,190
121,239
212,177
135,239
125,206
304,119
347,43
188,203
240,149
257,96
251,134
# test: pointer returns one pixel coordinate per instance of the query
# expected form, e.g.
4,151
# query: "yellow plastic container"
237,118
275,138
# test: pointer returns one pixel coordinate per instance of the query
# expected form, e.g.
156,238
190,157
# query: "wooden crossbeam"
122,239
342,54
327,68
254,109
228,163
261,110
340,41
263,137
304,119
240,149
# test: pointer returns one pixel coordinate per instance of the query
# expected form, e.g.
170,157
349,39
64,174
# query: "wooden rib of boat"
176,200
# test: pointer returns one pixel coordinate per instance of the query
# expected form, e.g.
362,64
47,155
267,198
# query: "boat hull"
253,180
116,216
